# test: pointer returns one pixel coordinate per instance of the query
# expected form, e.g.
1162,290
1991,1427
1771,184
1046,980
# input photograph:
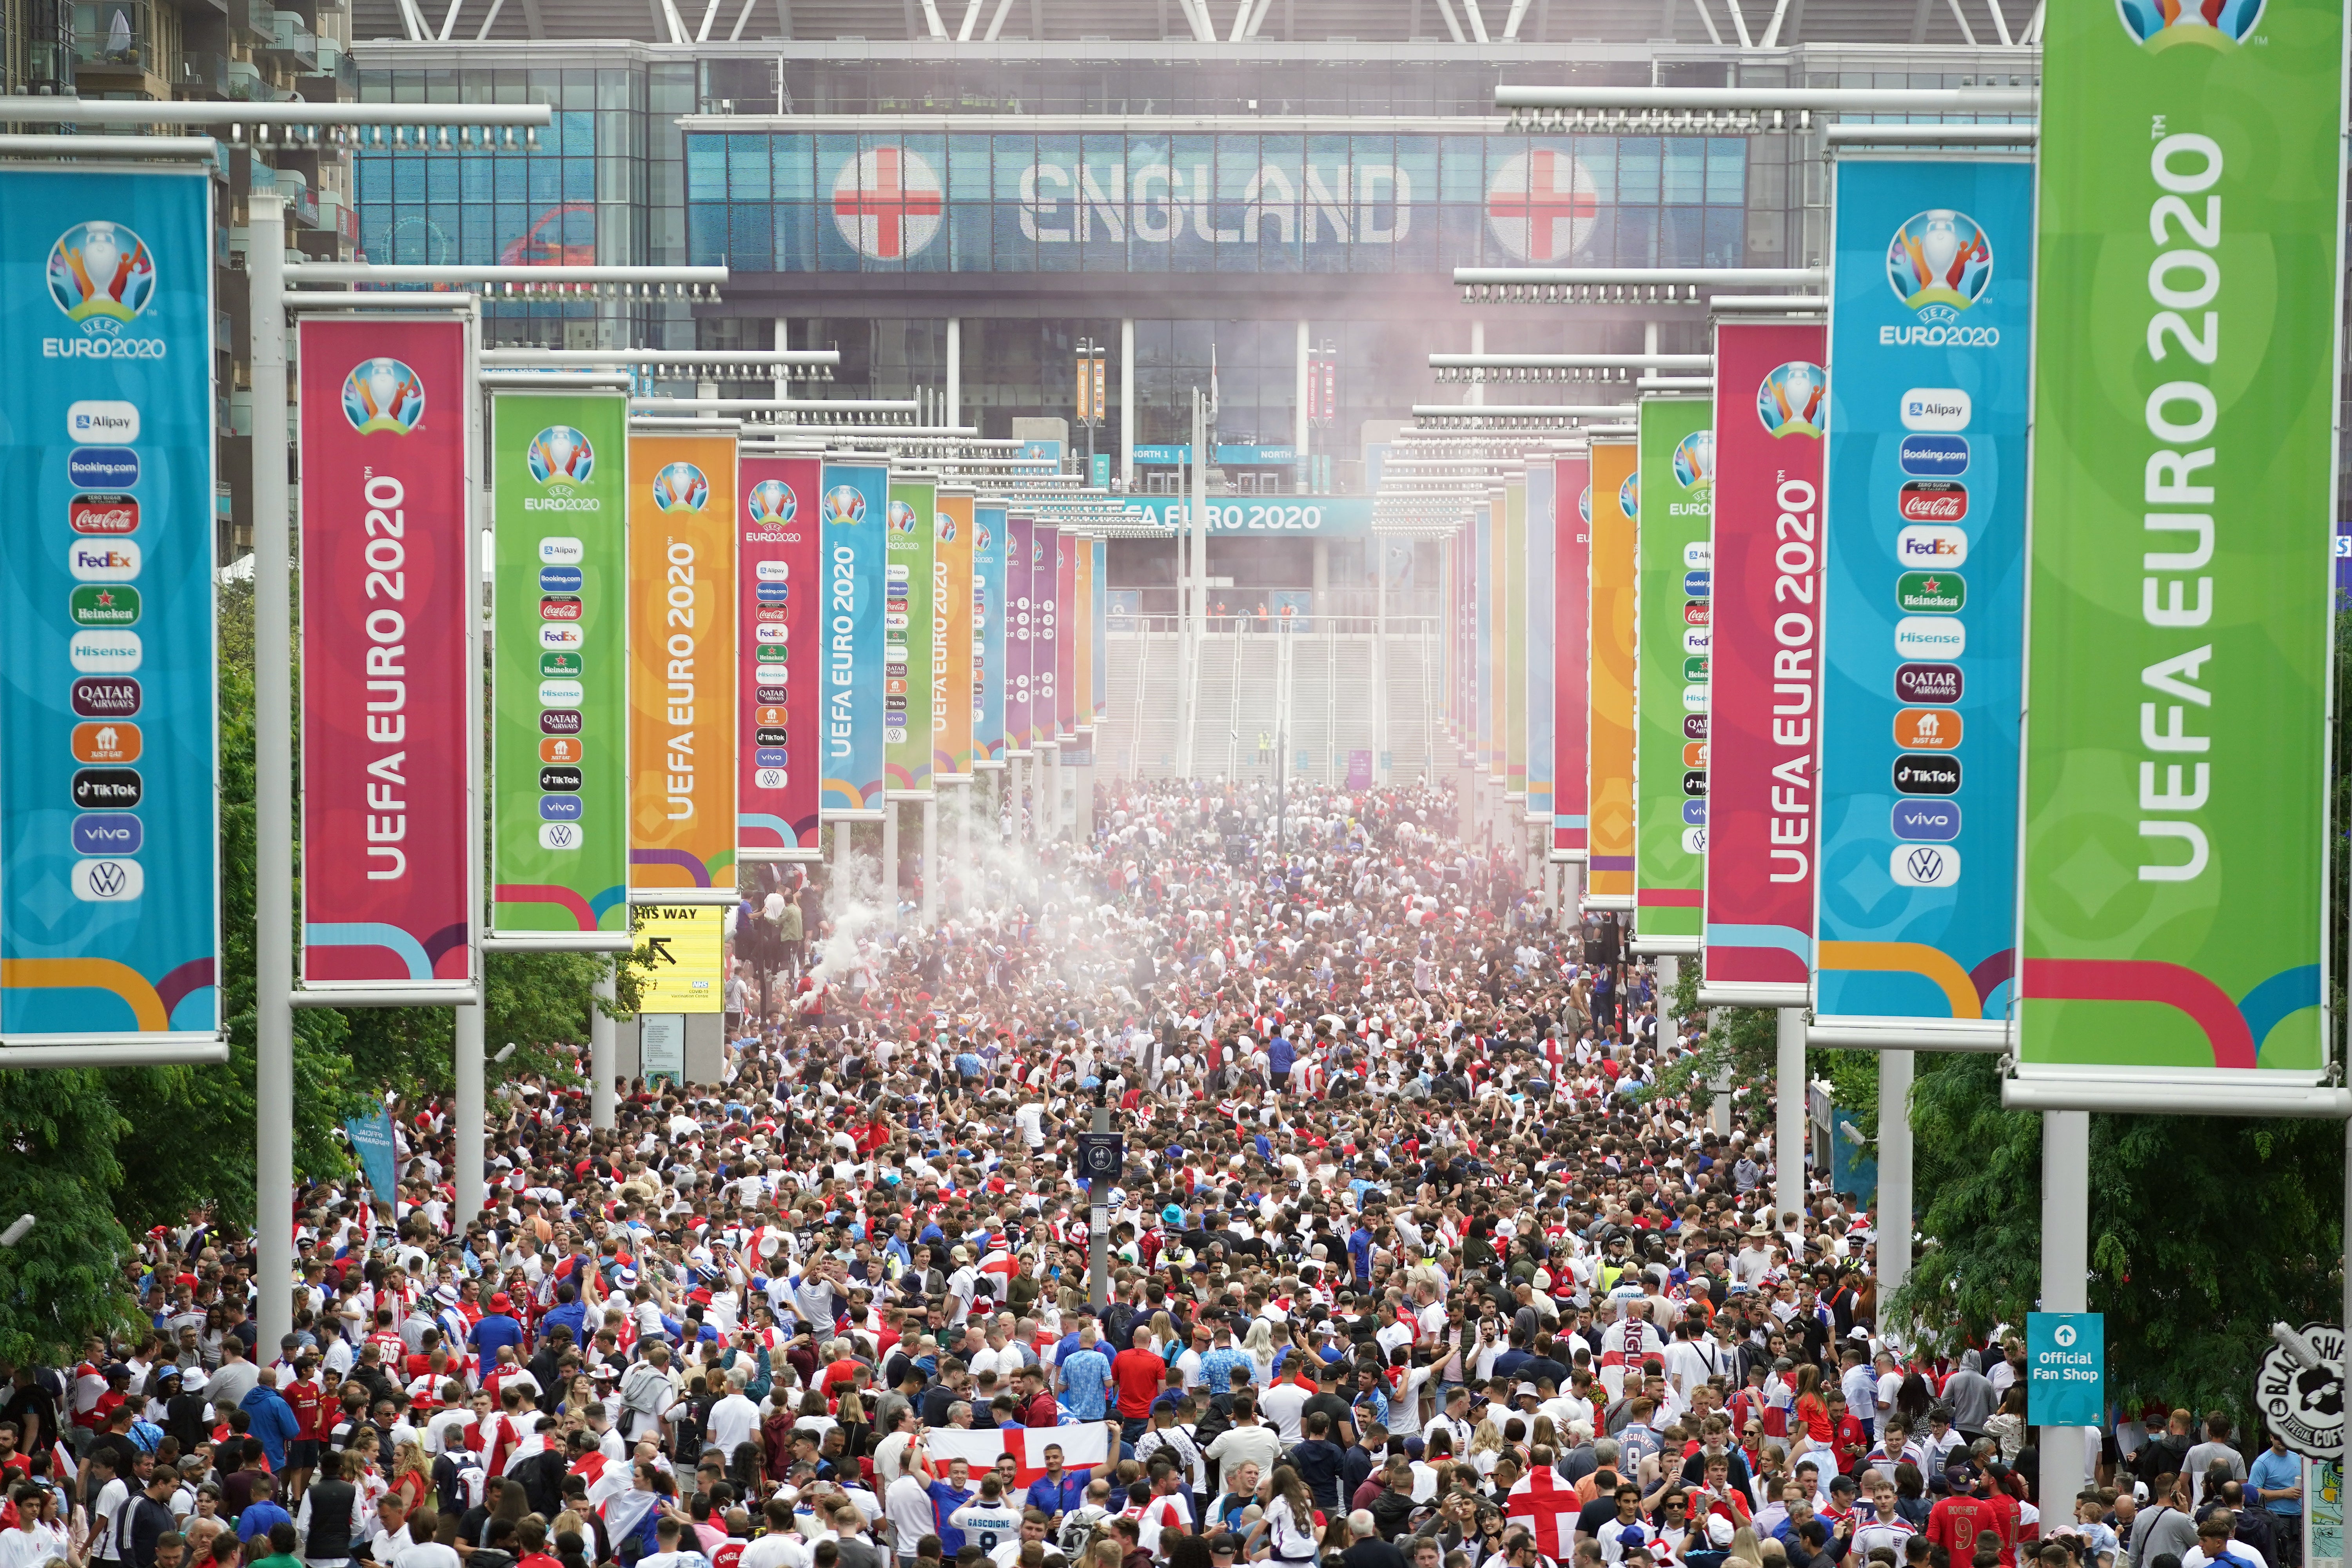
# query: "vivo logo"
1925,821
107,833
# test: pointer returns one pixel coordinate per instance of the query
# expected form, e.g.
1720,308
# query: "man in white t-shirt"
1166,1513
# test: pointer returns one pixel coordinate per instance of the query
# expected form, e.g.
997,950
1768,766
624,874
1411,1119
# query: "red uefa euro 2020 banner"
389,832
1763,828
777,539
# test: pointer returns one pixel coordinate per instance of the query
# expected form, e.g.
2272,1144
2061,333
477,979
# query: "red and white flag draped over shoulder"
1085,1446
1548,1507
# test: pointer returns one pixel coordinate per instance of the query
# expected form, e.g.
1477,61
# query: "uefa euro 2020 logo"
771,504
680,486
1793,400
1629,496
2215,24
1036,553
902,518
982,538
382,395
559,455
1940,263
101,275
844,504
1584,506
1694,460
943,528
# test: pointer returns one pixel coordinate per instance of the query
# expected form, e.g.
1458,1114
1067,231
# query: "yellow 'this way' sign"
685,969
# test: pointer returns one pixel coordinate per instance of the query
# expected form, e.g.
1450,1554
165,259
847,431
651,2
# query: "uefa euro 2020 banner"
1065,629
1045,634
1917,901
1761,658
682,509
2177,849
952,638
1101,607
1616,489
1572,680
389,828
855,506
1020,635
1511,568
908,592
1677,475
990,526
559,732
109,882
778,626
1540,625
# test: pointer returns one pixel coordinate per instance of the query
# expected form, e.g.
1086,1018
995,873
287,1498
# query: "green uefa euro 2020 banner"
2176,844
559,759
1675,608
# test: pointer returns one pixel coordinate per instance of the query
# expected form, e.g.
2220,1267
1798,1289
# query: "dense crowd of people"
1414,1261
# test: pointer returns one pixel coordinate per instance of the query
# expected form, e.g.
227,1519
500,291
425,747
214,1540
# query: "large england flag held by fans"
1548,1507
1085,1445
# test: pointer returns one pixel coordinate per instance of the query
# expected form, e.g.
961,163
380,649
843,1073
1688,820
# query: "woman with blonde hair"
1258,1345
1485,1447
412,1477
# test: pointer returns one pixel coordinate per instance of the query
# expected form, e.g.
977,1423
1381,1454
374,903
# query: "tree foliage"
2204,1231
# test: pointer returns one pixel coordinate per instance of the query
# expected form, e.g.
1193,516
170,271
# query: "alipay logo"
1936,408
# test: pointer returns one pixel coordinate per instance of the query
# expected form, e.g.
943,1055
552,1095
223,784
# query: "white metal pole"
932,862
1126,420
472,1135
603,1056
890,855
955,371
1299,427
1670,971
1381,659
1788,1115
1477,393
2065,1269
1892,1230
273,756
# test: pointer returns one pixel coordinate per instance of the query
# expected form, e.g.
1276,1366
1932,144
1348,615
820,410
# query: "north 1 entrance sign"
2065,1368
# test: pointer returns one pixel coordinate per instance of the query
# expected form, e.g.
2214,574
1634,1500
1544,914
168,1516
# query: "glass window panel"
1684,169
706,236
1638,159
1726,169
794,174
1155,215
968,168
751,238
706,168
1464,168
1102,206
747,168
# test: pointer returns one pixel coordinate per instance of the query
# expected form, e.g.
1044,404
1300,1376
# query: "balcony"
114,52
291,42
247,83
201,75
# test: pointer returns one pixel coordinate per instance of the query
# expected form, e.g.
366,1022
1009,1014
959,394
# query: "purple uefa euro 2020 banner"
1020,633
779,577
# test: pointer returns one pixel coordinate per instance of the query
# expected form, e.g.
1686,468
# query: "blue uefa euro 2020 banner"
988,543
1924,619
110,876
854,503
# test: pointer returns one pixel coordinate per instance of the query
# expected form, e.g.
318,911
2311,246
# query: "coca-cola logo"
1933,500
103,514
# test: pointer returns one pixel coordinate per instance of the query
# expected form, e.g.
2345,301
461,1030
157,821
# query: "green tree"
63,1281
2204,1231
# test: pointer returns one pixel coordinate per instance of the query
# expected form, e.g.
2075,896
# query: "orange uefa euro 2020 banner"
682,719
1616,511
951,637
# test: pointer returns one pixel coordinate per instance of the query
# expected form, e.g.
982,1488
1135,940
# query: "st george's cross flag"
1548,1506
1085,1445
